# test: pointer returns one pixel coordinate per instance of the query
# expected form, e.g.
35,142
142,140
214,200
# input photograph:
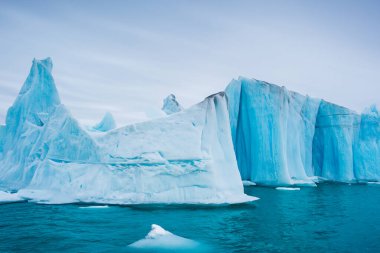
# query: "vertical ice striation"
272,129
2,136
367,146
335,132
171,105
281,137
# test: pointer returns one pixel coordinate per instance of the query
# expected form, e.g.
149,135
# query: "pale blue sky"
126,56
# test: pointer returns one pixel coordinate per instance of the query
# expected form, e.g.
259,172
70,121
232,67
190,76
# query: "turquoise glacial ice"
283,138
47,156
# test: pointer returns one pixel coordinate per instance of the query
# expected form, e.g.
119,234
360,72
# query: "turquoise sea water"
329,218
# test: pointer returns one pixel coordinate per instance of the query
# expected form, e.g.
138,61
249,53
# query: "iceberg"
48,157
160,240
171,105
281,137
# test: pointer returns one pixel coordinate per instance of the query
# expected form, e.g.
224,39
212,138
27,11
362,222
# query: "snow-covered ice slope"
283,138
184,158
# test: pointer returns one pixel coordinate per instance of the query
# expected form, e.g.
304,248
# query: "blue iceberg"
48,157
161,240
281,137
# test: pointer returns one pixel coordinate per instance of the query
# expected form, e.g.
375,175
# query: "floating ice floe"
94,207
288,188
161,240
248,183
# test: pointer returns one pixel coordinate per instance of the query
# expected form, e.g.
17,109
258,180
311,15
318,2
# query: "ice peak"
37,96
106,124
40,78
372,111
171,105
156,231
47,63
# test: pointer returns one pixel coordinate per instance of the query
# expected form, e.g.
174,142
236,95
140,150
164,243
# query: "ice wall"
367,147
183,158
271,130
283,138
335,132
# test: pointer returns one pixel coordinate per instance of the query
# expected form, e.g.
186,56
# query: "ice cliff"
48,157
284,138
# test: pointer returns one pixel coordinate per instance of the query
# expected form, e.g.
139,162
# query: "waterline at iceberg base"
327,218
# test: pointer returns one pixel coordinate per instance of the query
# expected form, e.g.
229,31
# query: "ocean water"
328,218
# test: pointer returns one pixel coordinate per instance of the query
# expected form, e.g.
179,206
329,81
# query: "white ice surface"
94,207
6,197
288,188
160,239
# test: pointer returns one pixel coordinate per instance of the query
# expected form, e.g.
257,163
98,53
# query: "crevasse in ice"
184,158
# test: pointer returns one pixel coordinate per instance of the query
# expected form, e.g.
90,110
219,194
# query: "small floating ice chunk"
248,183
288,188
160,239
6,197
373,183
93,207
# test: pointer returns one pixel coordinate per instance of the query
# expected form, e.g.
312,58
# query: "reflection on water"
329,218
